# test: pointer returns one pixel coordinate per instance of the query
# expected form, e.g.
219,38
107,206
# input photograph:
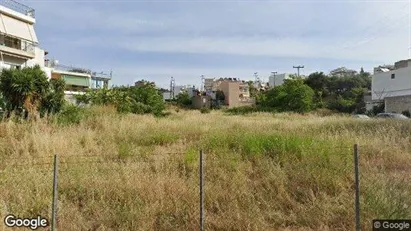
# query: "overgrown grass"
263,171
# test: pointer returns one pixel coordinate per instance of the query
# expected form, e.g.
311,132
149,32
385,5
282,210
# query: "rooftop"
18,7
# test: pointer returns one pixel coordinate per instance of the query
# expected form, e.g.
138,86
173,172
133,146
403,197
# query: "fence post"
201,192
357,189
54,202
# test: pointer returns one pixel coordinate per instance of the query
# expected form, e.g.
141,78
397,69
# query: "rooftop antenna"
172,86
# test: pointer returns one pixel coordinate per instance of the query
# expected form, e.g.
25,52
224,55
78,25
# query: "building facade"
19,46
393,86
278,79
236,92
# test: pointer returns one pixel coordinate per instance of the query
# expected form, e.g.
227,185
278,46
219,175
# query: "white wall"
38,59
278,79
383,86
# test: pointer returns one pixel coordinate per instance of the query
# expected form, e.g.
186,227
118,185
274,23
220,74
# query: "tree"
219,95
293,95
183,99
319,82
28,90
140,99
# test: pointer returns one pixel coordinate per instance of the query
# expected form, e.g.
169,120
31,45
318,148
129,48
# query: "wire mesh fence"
189,190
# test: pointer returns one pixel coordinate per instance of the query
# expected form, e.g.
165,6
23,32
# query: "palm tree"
23,90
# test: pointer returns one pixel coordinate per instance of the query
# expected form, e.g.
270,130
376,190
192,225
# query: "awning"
17,28
76,80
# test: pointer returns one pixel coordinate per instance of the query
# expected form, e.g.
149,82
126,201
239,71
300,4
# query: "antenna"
172,86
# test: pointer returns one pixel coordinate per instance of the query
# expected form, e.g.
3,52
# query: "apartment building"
277,79
392,84
19,46
236,92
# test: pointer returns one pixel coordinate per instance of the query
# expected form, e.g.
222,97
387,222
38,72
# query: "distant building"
236,91
392,84
342,71
278,79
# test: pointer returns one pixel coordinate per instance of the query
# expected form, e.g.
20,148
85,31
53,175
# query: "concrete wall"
231,91
398,104
38,59
278,79
383,86
201,101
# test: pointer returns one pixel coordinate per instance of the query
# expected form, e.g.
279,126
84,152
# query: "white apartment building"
19,46
392,84
277,79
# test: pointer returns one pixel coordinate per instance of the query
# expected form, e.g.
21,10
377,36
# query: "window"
393,76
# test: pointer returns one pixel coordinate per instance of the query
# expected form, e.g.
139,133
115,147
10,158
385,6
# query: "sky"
154,40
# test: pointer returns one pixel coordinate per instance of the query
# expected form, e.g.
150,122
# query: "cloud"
354,32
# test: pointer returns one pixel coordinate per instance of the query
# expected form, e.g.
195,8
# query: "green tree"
293,95
28,90
183,99
140,99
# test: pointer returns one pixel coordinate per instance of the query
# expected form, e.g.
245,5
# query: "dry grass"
263,171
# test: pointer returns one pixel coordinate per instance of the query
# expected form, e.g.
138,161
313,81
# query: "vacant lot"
262,171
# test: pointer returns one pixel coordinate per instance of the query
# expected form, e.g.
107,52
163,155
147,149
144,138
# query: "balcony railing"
18,7
17,44
101,75
94,75
67,68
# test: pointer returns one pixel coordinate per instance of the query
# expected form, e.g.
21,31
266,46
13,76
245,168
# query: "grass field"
262,171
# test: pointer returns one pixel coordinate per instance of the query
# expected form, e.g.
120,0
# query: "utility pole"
274,72
172,86
202,83
257,80
298,69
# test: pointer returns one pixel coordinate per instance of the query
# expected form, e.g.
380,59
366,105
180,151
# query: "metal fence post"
201,192
54,202
357,189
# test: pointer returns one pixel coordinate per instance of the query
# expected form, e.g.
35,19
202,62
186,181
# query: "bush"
71,114
141,99
407,113
204,110
293,95
183,99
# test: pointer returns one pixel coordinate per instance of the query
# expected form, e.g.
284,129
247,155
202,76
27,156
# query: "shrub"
293,95
204,110
183,99
407,113
71,114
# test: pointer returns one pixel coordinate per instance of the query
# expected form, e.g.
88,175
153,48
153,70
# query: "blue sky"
155,40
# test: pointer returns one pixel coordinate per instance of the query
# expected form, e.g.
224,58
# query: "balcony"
18,7
16,47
